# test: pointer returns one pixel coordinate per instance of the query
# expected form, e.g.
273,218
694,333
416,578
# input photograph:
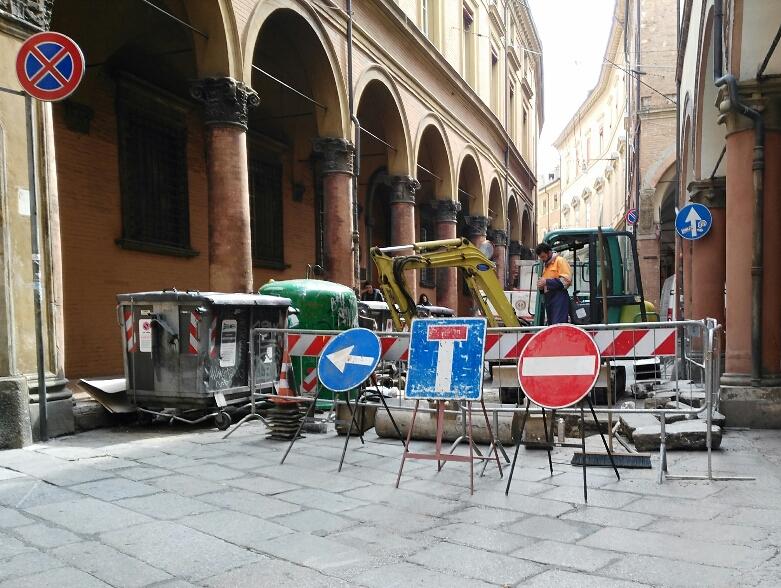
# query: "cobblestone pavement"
178,507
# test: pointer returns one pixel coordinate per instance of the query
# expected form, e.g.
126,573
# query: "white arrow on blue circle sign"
693,218
341,358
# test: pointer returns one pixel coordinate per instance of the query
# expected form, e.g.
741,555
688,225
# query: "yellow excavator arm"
479,274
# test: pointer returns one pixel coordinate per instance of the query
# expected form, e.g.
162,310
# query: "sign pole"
36,259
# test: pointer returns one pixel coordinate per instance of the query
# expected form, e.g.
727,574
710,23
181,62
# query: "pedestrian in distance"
556,278
423,300
370,293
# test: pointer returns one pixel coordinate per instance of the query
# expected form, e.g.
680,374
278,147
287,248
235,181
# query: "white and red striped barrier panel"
213,338
130,338
309,384
614,344
195,338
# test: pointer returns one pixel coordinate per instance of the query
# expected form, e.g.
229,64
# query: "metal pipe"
357,144
36,263
758,168
718,40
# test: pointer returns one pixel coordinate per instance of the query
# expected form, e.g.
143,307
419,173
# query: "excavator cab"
583,248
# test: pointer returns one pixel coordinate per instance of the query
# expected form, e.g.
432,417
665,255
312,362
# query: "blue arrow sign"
446,359
693,221
349,359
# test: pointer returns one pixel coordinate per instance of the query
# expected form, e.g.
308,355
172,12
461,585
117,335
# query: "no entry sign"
49,66
558,366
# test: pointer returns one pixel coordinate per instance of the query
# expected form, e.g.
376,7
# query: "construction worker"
556,278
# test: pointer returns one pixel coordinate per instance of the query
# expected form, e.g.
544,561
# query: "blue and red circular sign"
49,66
632,216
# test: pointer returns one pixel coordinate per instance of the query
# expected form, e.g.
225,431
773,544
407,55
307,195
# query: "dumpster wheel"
222,420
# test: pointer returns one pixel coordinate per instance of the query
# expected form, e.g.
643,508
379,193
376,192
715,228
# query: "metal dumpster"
318,305
186,354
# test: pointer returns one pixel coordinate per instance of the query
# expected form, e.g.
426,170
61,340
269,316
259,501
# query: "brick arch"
469,163
496,204
221,54
329,86
432,123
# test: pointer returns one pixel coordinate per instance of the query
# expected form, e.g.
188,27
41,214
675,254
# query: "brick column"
514,258
447,278
226,102
336,157
402,211
708,253
477,229
499,239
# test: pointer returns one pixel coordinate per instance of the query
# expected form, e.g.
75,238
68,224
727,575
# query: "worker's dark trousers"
557,306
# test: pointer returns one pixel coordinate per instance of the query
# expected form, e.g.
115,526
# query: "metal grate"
265,187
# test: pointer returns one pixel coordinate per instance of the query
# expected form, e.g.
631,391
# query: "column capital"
336,154
476,226
226,101
34,13
515,248
403,189
499,237
712,192
447,211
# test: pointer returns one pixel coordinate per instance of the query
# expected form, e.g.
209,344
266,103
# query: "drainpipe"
357,144
503,278
718,54
758,166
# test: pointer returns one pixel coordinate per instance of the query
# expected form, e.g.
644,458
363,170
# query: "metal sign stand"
581,445
442,458
253,414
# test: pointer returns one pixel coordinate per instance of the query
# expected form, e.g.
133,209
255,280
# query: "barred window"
152,133
428,275
265,189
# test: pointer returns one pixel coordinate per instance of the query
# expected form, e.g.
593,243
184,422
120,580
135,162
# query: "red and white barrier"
130,339
195,339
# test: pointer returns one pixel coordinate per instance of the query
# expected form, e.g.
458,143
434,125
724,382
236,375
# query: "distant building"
549,205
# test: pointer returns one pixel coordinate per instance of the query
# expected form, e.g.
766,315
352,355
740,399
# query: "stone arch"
708,134
328,89
220,54
375,77
527,236
513,218
431,123
470,191
496,205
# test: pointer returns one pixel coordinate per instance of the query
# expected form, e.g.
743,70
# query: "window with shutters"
265,190
152,134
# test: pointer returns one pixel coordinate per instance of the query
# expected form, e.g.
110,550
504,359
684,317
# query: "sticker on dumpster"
228,343
145,335
446,359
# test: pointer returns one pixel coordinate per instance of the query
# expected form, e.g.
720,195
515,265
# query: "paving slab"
552,578
485,516
663,545
139,473
242,530
656,571
566,555
249,503
26,492
316,522
185,485
262,485
551,528
88,515
26,563
679,508
10,518
114,489
462,561
109,565
46,536
210,471
9,546
596,496
403,575
715,530
401,521
480,537
273,572
56,578
196,555
383,542
314,552
403,498
6,474
608,517
312,479
166,506
321,500
519,503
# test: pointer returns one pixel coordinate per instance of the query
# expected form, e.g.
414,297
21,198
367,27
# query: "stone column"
447,278
499,239
477,229
402,211
337,157
514,258
226,102
708,253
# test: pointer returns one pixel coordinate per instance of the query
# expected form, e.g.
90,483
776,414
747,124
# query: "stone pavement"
175,507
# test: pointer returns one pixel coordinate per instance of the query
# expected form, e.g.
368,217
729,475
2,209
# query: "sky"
574,36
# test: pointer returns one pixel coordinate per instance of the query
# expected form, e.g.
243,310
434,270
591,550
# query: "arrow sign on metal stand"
693,221
349,359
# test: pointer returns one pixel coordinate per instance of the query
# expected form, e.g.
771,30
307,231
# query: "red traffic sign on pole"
558,366
49,66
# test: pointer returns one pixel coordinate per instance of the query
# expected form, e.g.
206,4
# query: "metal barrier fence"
685,356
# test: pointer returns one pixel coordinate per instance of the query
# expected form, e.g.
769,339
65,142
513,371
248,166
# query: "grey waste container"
188,352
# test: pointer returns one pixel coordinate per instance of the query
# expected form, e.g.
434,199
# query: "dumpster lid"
215,298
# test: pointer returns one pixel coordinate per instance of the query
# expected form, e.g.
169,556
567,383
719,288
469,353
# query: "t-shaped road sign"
446,359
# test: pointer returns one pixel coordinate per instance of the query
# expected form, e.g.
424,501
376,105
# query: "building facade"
217,144
618,150
549,205
730,137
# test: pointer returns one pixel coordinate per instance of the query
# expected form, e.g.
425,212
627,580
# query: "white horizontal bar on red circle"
575,365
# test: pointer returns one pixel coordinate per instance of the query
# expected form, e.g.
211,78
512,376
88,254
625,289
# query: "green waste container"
315,305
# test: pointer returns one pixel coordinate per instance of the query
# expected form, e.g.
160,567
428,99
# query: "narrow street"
177,507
